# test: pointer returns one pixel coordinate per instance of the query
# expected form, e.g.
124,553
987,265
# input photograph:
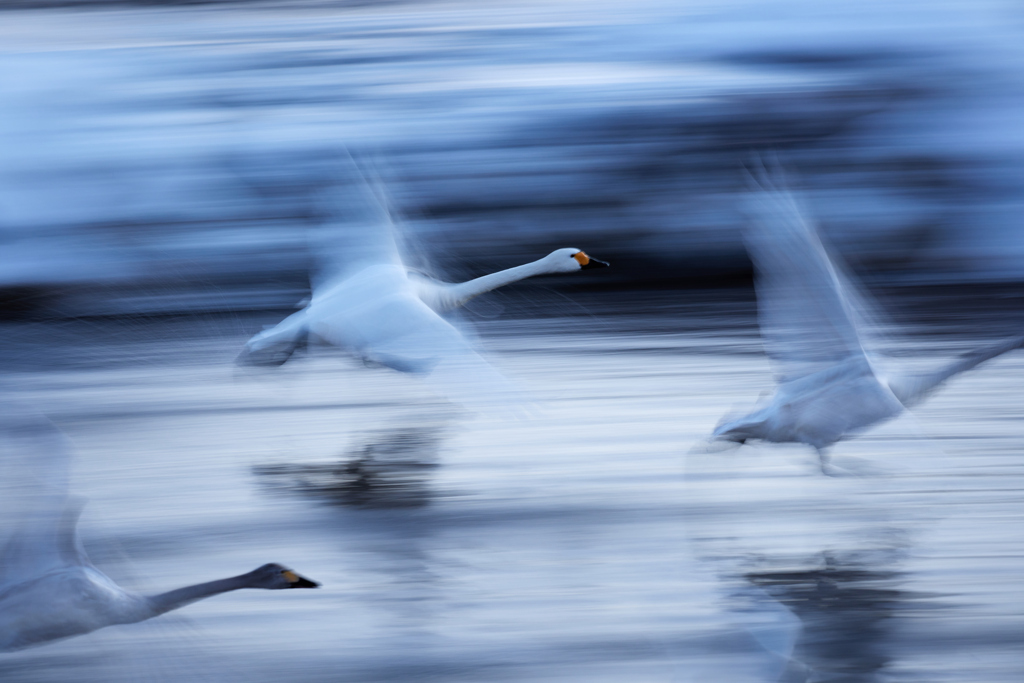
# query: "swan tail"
273,347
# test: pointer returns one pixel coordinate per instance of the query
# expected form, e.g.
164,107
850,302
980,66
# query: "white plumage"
48,587
812,323
368,303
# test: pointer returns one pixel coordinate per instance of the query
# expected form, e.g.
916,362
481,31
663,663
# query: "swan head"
275,577
570,260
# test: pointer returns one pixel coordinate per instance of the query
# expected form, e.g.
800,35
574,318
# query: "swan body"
813,327
818,409
368,303
49,589
384,313
66,602
387,315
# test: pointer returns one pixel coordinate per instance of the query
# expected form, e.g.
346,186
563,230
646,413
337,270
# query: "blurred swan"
368,303
813,325
48,588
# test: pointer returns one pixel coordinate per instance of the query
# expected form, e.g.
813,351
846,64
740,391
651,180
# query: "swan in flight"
813,327
48,588
367,302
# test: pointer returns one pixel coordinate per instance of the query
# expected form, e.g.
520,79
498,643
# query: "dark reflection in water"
390,468
845,607
578,548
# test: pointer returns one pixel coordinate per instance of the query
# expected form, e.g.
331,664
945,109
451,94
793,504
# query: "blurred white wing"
364,301
809,314
37,530
357,229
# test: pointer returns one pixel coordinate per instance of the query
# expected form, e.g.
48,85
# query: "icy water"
581,540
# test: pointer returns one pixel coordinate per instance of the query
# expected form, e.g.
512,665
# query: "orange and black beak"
296,581
588,262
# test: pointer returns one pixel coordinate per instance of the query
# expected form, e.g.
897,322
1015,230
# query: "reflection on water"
844,608
581,544
390,468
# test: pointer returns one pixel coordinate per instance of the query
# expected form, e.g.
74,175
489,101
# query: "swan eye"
581,258
290,575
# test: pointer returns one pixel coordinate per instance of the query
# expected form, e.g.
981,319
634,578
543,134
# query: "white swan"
810,319
368,303
48,588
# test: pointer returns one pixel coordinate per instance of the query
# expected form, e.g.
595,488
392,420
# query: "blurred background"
160,156
159,168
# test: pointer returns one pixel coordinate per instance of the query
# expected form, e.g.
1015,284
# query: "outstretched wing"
356,229
38,527
363,300
809,315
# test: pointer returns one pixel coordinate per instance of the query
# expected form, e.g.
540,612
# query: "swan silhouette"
367,302
813,326
49,589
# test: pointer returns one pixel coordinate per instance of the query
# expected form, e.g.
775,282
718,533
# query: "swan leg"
823,460
714,446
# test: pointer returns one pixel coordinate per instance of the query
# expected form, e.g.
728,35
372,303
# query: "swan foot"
270,356
714,446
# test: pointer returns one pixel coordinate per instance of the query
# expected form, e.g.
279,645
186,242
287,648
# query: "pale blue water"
578,542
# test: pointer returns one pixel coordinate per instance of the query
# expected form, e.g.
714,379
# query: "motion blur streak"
159,176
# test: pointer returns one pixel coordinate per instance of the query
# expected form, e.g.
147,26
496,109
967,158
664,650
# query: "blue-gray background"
171,150
159,164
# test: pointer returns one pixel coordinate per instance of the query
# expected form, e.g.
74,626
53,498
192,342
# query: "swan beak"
587,262
296,581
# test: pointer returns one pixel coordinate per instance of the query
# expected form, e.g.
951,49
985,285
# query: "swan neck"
461,293
912,389
172,600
